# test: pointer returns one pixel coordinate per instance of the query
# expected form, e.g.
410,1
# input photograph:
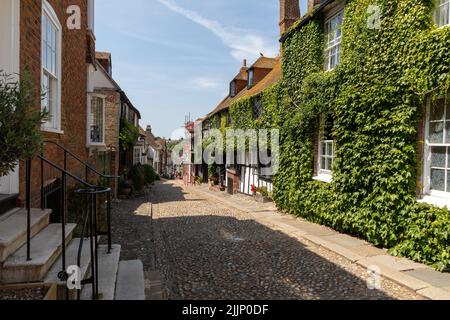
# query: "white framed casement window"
333,37
442,13
96,120
436,178
326,150
51,68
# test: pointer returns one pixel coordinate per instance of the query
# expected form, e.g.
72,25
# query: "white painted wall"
10,63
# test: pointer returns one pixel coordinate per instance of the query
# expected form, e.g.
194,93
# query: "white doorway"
9,63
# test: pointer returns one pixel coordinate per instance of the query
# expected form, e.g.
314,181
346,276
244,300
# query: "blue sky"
175,57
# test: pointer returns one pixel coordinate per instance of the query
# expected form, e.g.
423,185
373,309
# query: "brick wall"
289,13
73,81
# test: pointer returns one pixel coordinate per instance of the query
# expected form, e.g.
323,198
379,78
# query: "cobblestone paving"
206,250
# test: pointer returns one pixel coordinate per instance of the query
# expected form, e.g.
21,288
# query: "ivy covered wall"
376,97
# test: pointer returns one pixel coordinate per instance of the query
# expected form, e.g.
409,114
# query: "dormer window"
233,89
442,13
251,78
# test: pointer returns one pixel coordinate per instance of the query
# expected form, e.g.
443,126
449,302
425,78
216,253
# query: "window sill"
52,130
328,178
438,201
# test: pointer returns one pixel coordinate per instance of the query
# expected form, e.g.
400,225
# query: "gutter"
305,20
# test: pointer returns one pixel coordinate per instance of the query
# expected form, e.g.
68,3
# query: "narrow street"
204,249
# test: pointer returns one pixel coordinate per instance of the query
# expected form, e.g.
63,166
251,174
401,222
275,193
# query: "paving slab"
130,281
435,293
395,275
399,264
437,279
345,240
368,251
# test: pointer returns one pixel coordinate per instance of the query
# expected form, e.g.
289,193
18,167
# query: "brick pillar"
289,13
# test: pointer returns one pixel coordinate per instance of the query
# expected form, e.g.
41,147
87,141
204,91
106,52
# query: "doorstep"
418,277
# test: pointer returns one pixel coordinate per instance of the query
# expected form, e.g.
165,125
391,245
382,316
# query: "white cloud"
244,44
205,82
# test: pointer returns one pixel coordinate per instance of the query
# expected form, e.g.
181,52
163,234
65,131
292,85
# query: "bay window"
442,13
333,37
51,67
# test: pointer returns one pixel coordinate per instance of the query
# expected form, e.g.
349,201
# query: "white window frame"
53,125
324,174
103,98
331,45
437,13
138,159
427,191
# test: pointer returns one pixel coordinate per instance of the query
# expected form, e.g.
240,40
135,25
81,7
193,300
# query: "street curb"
421,287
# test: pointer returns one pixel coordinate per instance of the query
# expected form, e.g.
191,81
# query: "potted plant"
261,194
125,187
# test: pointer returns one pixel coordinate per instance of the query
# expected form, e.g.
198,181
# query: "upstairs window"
51,67
437,148
251,78
333,36
96,120
233,89
442,13
326,147
257,108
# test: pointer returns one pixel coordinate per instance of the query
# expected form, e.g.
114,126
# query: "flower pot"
261,199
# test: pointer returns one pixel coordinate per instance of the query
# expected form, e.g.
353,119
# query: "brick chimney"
313,3
289,13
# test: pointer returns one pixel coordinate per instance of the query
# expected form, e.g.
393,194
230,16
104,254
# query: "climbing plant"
376,97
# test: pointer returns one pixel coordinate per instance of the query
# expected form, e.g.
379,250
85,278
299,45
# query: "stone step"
46,247
130,281
7,202
13,229
71,260
107,273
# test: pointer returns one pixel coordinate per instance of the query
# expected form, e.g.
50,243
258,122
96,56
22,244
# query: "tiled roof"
242,75
102,55
265,83
265,63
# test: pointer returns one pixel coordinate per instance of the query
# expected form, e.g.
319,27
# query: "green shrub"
137,176
149,174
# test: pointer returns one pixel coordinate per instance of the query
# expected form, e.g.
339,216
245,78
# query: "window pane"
329,164
438,157
322,163
437,110
437,132
438,179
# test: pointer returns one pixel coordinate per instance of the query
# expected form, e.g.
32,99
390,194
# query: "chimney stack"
149,129
245,63
313,3
289,13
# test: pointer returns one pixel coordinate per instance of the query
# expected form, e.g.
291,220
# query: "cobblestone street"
206,250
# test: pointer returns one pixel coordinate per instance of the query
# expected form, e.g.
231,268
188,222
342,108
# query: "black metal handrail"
92,214
88,168
91,218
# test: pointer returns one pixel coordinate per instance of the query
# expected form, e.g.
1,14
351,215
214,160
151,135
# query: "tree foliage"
20,122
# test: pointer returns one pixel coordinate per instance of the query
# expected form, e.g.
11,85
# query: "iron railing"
89,219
